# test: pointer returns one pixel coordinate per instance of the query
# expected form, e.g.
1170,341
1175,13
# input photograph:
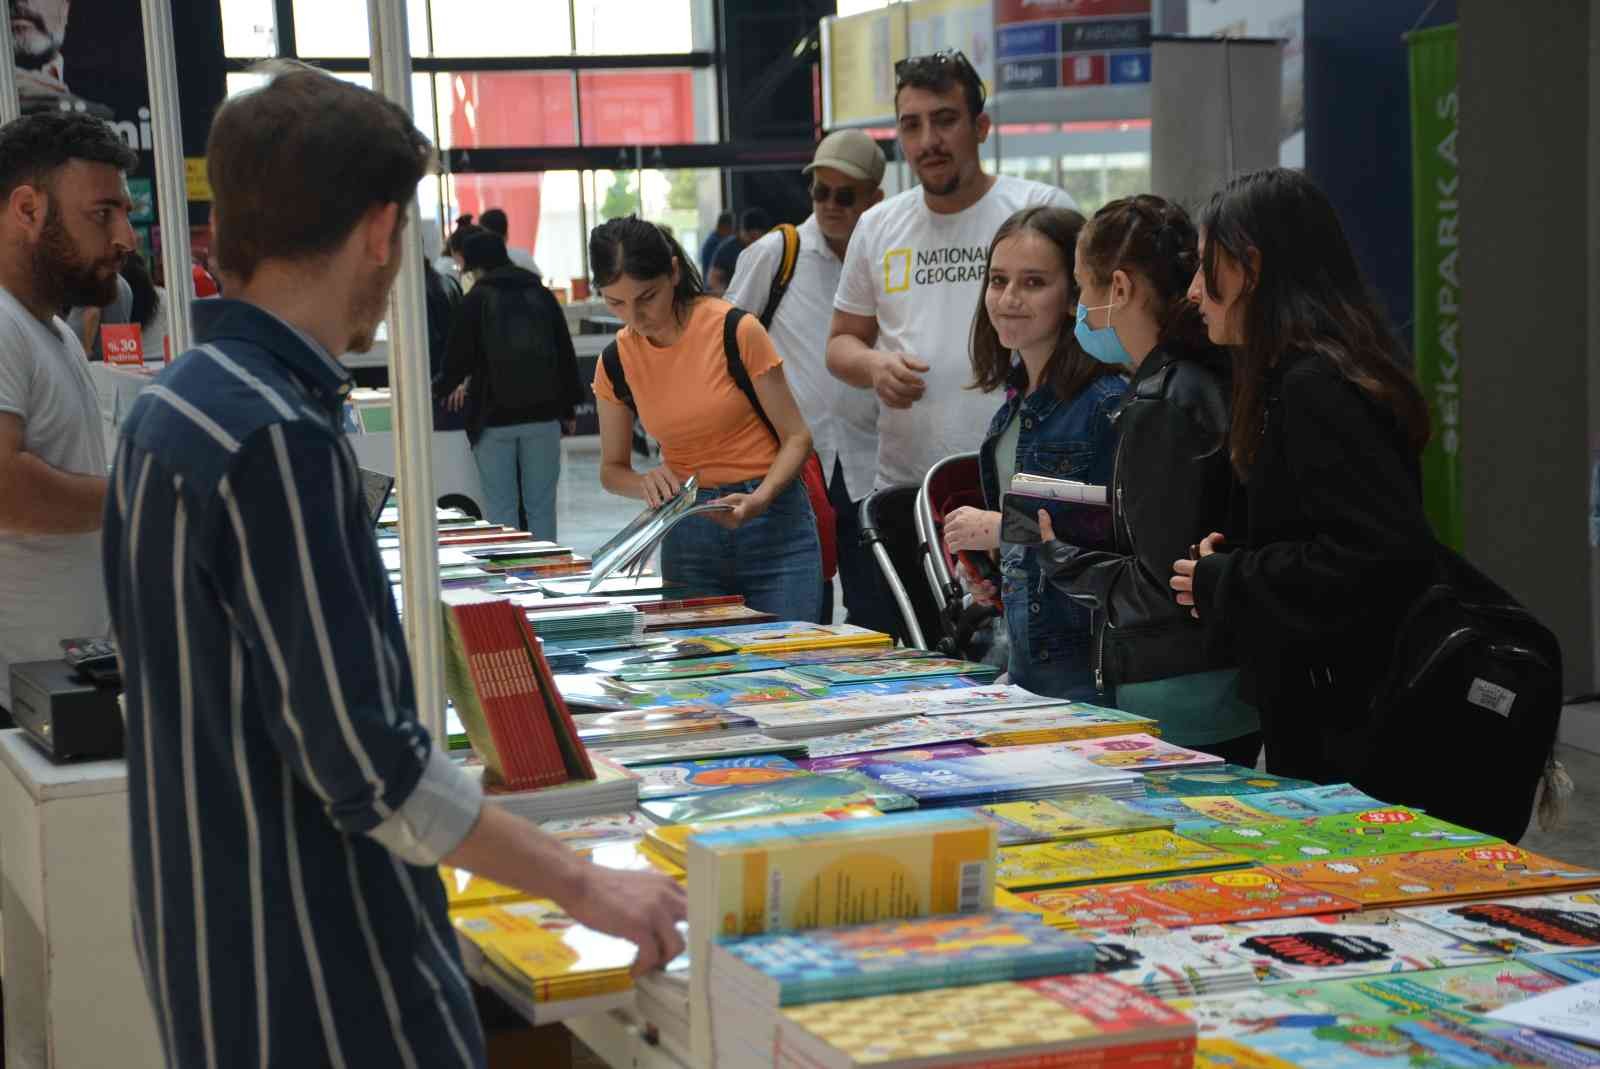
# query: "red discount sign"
122,344
1494,853
1387,816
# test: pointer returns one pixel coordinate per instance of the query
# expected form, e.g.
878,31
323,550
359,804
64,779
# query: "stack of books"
1018,775
753,881
802,794
859,723
1185,901
1053,1021
1060,819
537,957
612,790
671,841
659,727
888,668
1230,780
555,622
790,637
699,745
753,979
709,612
506,698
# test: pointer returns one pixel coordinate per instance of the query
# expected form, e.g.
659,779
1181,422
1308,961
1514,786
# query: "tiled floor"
587,516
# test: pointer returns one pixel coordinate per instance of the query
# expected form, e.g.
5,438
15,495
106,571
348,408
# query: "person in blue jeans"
511,366
674,365
1056,421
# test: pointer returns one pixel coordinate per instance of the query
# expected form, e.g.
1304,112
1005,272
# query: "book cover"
1373,832
1197,812
1466,990
909,955
886,668
586,833
1171,962
1576,966
1352,944
672,840
1535,924
704,745
1186,901
1139,753
696,616
1571,1012
1063,723
988,1024
1326,1041
1438,875
650,725
1223,779
791,636
908,733
1108,858
980,677
551,956
990,776
810,794
700,667
713,773
940,752
1058,819
467,890
683,649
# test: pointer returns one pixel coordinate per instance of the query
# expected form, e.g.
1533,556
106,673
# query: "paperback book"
1139,753
1574,966
1172,963
1352,944
658,726
678,778
753,688
1059,819
724,744
1186,901
1390,1041
548,955
1207,811
840,725
940,752
888,668
1231,780
1107,859
1000,777
790,637
1063,723
700,667
671,841
1373,832
1438,875
1535,924
809,794
586,833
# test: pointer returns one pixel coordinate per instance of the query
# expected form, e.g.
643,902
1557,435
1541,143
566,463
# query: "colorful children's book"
1571,1012
1186,901
671,841
1222,779
1392,830
941,752
545,952
1206,811
1014,775
1575,966
1139,753
840,723
468,890
885,688
1197,812
586,833
1060,723
1314,801
1108,858
1170,963
657,726
1351,944
886,668
1438,875
809,794
1536,924
700,667
1058,819
907,733
751,688
789,637
1326,1041
724,744
1054,1021
713,773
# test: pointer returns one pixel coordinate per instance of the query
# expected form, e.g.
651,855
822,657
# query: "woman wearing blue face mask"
1172,480
1056,421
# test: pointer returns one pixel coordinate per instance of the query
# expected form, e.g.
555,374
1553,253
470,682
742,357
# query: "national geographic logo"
904,268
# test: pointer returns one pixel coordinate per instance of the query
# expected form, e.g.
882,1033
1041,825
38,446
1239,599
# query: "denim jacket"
1073,439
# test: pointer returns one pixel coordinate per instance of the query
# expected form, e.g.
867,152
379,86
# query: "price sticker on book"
122,344
1241,879
1494,853
1387,816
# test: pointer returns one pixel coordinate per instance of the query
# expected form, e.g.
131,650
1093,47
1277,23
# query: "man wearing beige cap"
845,175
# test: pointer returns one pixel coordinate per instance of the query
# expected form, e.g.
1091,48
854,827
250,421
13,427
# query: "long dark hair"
145,299
1307,295
642,251
1155,239
1069,369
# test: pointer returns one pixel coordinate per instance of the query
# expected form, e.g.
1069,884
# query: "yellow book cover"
466,890
800,637
547,952
633,856
1110,857
1011,902
670,841
1221,1053
1053,820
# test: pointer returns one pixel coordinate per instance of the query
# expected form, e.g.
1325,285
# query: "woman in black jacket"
1327,430
1171,481
511,365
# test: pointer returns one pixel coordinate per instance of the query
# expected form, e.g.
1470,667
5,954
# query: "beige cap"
851,152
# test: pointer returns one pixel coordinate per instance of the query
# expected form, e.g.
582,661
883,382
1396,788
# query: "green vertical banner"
1436,222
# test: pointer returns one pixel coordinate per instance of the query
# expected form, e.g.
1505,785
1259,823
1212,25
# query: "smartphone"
1078,523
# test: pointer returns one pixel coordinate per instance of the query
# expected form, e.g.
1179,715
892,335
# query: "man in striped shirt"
288,811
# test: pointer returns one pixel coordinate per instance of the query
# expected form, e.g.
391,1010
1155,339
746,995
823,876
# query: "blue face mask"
1102,344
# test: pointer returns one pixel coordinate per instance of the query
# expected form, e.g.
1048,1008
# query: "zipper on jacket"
1099,654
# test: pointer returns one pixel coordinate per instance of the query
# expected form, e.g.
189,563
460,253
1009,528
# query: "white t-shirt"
920,275
52,584
843,419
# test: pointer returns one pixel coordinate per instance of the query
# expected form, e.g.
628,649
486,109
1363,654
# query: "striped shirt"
287,809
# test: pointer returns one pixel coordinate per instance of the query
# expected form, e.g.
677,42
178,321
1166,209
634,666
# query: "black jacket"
528,355
1336,547
1169,489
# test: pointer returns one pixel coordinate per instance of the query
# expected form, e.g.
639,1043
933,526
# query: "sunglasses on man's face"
843,196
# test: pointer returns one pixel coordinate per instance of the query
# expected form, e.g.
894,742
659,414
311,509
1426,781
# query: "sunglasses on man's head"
933,62
843,196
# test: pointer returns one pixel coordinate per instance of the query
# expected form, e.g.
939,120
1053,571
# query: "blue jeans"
775,560
535,448
1057,662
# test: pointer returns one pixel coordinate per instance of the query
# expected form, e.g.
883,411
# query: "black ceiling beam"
497,64
776,155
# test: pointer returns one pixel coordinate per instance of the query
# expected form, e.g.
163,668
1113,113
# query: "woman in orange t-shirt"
675,363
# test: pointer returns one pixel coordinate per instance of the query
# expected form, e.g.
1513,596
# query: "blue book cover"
898,956
674,778
1579,966
988,775
908,686
803,794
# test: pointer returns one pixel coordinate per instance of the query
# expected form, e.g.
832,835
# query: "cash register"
70,706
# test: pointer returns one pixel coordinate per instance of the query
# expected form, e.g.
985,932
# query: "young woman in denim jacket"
1056,421
1172,483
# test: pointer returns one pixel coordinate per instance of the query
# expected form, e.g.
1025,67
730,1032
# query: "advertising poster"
1058,44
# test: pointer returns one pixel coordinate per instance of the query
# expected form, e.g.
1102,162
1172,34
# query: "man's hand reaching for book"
641,907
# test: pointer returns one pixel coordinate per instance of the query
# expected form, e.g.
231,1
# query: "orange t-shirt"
690,404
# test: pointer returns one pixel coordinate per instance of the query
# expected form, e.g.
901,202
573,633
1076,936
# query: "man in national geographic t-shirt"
913,274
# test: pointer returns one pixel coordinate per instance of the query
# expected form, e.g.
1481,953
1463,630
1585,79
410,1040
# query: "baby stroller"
903,526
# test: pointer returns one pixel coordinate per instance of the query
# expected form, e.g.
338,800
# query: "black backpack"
1465,720
517,347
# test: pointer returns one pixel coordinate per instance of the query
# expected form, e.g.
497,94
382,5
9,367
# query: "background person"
846,173
722,232
753,222
672,352
1173,483
1326,436
510,352
1056,421
149,306
64,232
495,221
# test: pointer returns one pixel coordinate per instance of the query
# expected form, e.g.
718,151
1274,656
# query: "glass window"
249,29
338,28
541,211
516,109
501,28
642,107
631,27
1095,180
1033,168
